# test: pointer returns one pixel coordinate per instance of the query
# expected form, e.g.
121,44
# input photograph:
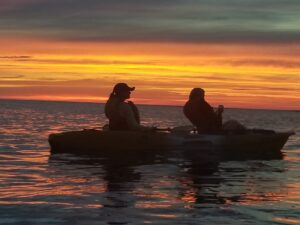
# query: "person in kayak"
122,114
201,114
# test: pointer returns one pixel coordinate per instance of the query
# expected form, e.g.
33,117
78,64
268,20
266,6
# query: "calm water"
36,188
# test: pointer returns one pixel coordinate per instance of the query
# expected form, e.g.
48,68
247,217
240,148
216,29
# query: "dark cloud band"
154,20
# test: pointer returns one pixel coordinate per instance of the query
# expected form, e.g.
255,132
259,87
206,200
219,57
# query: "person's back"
112,111
201,114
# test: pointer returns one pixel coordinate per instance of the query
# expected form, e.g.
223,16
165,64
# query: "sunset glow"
234,71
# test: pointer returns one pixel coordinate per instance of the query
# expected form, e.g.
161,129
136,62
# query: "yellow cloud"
238,75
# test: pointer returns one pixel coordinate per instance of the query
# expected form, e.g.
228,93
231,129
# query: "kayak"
97,142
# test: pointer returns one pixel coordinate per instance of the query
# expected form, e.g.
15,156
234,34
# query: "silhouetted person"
123,115
201,114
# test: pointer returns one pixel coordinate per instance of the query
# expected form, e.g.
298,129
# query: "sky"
244,53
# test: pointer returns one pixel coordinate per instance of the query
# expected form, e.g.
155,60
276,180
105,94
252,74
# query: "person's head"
122,91
197,93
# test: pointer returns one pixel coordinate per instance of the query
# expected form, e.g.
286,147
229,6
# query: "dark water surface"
36,188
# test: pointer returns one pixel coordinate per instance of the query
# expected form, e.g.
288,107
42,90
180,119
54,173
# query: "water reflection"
200,183
119,175
150,188
116,173
193,183
182,188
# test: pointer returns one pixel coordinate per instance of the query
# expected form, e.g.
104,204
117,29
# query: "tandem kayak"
97,142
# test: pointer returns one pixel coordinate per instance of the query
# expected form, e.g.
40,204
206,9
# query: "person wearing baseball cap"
122,114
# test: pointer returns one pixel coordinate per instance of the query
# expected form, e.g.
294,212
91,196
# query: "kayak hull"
96,142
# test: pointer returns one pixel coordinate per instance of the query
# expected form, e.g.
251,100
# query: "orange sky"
236,75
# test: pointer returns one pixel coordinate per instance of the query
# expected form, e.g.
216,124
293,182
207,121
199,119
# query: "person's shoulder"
208,106
186,105
124,106
206,103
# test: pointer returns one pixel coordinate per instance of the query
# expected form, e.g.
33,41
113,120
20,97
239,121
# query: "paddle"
163,129
179,129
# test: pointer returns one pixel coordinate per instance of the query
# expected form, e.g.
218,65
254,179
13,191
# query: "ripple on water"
36,188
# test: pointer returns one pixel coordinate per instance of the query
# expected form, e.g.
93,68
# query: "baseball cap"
122,87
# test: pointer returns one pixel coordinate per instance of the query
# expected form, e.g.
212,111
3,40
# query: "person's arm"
128,114
135,111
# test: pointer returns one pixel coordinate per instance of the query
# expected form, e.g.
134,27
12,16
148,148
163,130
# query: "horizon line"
143,104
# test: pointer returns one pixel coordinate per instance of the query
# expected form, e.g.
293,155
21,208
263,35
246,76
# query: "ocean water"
37,188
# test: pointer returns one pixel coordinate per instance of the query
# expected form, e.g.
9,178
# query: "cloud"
87,61
16,57
8,5
155,20
12,77
264,62
288,89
